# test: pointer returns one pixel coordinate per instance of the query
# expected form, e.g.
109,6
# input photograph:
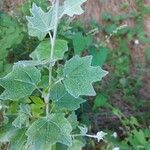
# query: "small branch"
47,108
51,38
59,80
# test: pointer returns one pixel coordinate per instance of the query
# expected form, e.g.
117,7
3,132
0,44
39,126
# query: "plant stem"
52,41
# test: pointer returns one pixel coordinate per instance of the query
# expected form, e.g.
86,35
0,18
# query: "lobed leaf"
79,76
40,20
19,83
48,131
42,52
23,116
73,7
36,32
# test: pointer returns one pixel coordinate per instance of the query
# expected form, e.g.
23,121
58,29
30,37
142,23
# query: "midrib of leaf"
60,130
17,80
60,97
32,82
70,74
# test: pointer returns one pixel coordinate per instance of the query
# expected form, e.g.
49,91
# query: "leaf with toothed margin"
79,75
35,32
48,131
22,119
63,100
40,20
73,7
43,50
20,82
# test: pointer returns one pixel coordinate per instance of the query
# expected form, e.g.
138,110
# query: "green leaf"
40,20
20,82
37,100
73,7
18,141
35,32
63,100
37,106
15,137
100,101
99,56
25,6
77,145
81,42
72,118
79,76
20,120
37,110
140,136
23,116
42,52
48,131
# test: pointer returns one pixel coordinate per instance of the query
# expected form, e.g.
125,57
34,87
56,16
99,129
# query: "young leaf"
42,52
50,130
40,20
83,130
19,83
73,7
79,76
63,99
37,106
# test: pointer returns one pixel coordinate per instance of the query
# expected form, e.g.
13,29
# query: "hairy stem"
52,41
